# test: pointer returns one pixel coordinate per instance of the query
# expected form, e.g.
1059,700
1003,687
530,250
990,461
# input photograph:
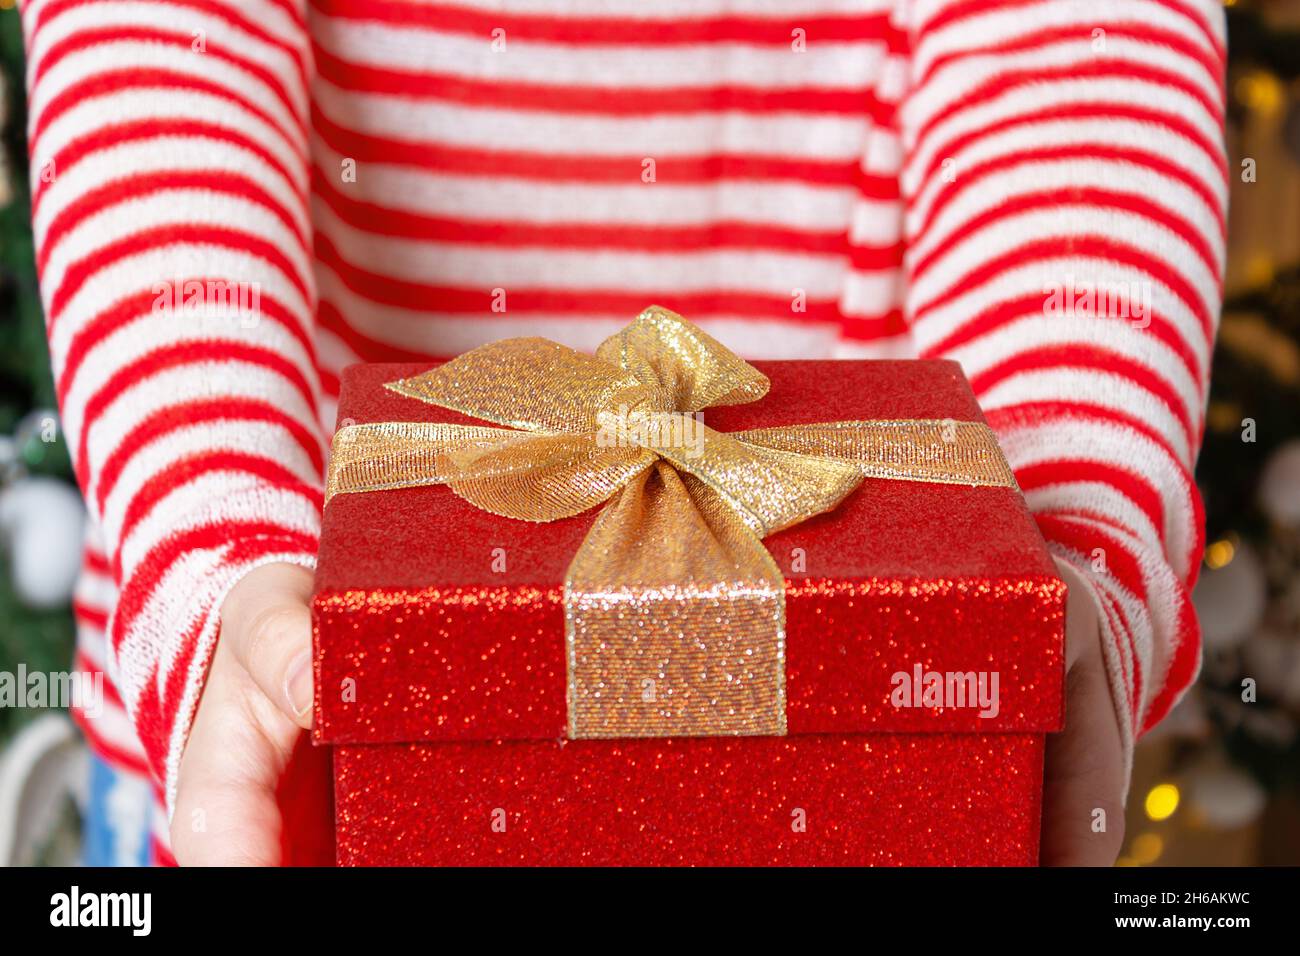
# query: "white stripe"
1033,97
793,135
1113,444
1023,20
436,333
184,19
139,273
188,207
1036,279
1115,335
994,189
1006,235
477,198
126,106
489,267
271,442
1112,132
827,64
150,332
92,62
169,154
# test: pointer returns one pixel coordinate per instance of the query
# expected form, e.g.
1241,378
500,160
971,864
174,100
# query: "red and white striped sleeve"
168,143
1066,187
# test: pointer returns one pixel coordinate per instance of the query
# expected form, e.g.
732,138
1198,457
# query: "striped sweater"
1035,188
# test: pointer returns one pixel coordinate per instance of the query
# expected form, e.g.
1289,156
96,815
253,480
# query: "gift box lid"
912,607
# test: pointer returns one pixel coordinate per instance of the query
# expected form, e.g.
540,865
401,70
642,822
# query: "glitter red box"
924,667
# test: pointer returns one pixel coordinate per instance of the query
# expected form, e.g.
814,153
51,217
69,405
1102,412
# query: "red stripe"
110,752
1131,669
329,384
425,297
1211,62
135,78
172,418
141,305
867,328
1082,34
634,31
152,569
188,470
292,10
146,240
1067,153
868,258
499,93
365,147
366,349
1057,415
248,543
92,559
87,616
88,39
134,373
107,137
1185,662
1102,111
117,192
1004,312
1131,485
1089,358
1084,538
954,12
1075,246
1059,201
221,11
81,661
1005,81
717,234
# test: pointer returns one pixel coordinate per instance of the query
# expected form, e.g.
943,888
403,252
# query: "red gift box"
924,666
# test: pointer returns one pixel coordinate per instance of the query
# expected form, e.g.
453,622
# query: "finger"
266,622
226,812
1083,795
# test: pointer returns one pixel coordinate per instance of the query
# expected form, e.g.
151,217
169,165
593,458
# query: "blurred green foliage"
43,640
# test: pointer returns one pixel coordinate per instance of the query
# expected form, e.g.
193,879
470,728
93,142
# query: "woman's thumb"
266,623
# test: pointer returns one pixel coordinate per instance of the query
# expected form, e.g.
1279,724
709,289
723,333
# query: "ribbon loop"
695,370
532,384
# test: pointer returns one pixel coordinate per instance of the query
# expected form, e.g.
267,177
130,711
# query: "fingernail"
297,684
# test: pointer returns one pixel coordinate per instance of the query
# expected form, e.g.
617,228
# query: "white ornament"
1273,660
1279,485
43,523
1226,797
1231,600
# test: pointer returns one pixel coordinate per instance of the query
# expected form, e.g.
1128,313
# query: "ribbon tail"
933,450
674,618
386,455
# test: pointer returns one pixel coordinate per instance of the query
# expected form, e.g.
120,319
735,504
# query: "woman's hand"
1085,762
254,708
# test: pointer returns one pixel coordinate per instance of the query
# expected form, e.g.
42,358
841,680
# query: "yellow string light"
1162,801
1260,91
1219,554
1146,848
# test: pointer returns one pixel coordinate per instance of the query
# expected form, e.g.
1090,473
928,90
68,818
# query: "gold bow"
674,609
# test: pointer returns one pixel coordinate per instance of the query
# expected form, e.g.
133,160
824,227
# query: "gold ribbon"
674,609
